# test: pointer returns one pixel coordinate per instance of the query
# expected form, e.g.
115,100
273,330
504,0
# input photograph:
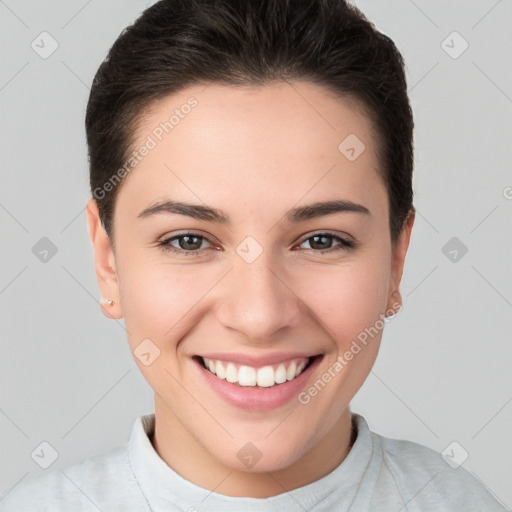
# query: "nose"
258,300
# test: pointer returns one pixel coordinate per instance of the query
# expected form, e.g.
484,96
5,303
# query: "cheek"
161,301
348,299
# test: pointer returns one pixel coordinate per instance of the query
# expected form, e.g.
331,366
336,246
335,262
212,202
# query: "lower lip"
258,399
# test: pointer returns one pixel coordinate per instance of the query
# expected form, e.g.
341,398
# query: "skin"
254,153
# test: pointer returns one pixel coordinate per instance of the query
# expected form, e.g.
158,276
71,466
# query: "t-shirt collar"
163,488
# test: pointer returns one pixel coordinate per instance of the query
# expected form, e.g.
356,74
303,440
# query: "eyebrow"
295,215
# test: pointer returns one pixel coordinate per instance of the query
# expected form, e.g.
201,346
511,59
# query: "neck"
183,452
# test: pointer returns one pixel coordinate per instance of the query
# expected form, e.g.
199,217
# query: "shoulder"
104,481
422,475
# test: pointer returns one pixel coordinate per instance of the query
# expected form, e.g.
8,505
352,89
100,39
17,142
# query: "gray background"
443,374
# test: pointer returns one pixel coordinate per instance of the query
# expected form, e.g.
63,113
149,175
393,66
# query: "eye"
185,243
191,244
323,242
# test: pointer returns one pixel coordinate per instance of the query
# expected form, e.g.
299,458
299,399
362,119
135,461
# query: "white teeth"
219,370
246,376
290,373
300,368
280,374
264,377
231,373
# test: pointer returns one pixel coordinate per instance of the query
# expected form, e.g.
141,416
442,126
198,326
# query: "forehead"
254,146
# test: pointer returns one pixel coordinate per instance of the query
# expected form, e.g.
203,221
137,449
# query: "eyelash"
343,245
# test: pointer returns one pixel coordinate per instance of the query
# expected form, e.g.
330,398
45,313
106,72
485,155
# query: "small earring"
108,302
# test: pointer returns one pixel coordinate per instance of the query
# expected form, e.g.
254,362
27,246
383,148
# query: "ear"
397,263
104,261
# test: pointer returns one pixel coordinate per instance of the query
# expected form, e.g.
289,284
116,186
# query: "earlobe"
104,262
394,303
398,261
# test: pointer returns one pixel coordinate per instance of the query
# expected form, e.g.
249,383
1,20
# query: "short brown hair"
176,43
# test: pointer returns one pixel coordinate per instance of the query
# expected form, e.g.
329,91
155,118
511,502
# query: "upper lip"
257,361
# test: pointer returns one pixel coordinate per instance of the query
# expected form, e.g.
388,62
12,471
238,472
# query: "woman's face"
253,281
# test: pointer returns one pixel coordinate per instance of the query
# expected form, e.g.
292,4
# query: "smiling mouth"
257,378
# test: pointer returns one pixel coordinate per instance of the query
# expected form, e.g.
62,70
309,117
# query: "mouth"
263,377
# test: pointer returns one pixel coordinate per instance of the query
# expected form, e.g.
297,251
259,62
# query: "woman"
251,172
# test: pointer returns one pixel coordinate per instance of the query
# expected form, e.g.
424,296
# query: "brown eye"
190,242
323,242
185,243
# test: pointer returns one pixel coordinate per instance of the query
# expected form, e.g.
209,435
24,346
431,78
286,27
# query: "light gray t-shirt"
379,474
